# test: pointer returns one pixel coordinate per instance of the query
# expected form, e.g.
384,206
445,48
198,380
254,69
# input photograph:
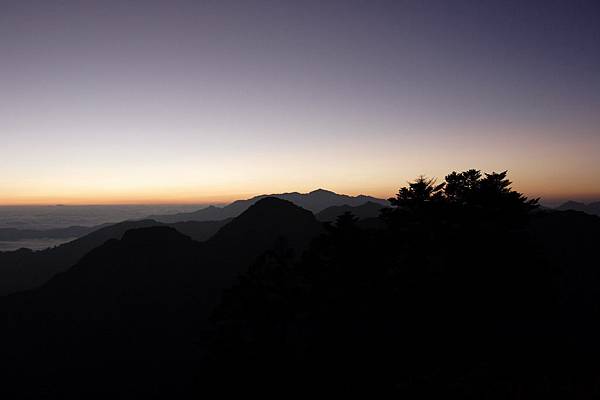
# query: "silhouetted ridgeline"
315,201
590,208
25,269
459,290
141,299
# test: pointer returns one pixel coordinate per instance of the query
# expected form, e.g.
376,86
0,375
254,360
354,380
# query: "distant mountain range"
315,201
24,269
590,208
326,206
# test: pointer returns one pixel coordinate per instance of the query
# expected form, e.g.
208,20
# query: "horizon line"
548,200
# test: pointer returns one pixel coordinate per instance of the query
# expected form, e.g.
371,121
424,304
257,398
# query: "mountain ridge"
314,201
24,269
592,208
158,270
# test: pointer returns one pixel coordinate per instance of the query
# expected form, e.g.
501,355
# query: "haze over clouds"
209,101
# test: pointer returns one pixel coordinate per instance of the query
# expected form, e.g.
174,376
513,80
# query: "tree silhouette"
461,187
465,292
467,196
495,191
443,298
418,193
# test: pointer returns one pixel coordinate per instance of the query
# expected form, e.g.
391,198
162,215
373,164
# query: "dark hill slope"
24,269
159,261
131,316
474,308
268,219
199,230
138,305
137,298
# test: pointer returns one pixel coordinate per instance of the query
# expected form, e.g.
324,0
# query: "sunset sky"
181,101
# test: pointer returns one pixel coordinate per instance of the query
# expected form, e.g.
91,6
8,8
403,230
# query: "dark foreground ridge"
462,289
26,269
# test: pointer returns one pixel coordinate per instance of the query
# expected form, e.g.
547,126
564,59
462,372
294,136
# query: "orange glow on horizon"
548,195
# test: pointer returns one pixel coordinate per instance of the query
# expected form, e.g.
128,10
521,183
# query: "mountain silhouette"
465,288
270,223
314,201
269,217
363,211
154,288
134,259
590,208
466,291
24,269
130,299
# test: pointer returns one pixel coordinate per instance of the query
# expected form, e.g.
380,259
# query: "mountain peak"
271,206
322,191
267,219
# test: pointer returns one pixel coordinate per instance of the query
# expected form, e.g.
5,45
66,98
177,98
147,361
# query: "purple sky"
195,101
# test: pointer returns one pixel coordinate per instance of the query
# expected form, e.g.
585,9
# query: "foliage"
450,265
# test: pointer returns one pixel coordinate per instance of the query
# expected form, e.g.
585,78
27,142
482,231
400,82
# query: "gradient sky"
203,101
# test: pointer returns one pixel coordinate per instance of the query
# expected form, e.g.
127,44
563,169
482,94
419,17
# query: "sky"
182,101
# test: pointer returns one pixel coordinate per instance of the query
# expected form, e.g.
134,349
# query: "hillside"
152,289
25,269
